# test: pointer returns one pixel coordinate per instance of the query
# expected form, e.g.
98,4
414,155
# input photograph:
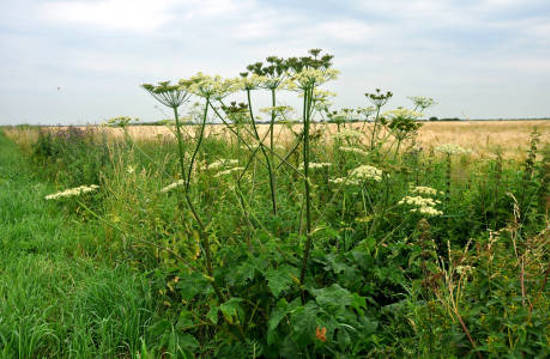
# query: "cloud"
468,54
130,15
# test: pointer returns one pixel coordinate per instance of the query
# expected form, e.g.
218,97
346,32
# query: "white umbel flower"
316,165
228,171
222,163
353,150
171,186
71,192
452,149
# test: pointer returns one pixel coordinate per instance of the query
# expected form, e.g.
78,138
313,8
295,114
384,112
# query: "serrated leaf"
212,314
280,279
232,310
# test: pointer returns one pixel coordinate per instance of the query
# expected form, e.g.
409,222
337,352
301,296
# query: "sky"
82,61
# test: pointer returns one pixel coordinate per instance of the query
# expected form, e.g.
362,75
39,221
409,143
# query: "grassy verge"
57,299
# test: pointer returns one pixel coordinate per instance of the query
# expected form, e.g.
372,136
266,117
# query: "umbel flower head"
379,98
251,81
452,149
420,204
421,103
310,77
209,86
359,175
315,165
356,150
169,95
424,191
71,192
401,112
222,163
171,186
122,121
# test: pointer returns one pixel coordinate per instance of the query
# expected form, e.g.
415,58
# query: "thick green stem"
307,249
180,142
373,136
203,234
267,160
272,124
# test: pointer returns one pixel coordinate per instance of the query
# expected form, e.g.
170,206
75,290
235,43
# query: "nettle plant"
276,294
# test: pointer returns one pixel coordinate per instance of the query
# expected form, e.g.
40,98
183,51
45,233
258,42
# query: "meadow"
312,236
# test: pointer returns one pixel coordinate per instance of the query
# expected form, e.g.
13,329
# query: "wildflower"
321,334
353,150
419,201
209,86
422,103
347,133
422,205
452,149
72,192
228,171
402,113
251,82
281,110
315,165
322,96
122,121
171,186
222,163
423,190
428,211
342,180
358,175
365,172
310,77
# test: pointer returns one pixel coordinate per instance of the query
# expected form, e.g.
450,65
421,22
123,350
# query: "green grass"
56,300
122,271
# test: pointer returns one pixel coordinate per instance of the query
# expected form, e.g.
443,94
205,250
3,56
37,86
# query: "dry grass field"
483,137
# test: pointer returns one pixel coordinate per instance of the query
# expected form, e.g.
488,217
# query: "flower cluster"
171,186
228,171
72,192
310,77
424,191
316,165
422,205
122,121
222,163
209,86
359,175
422,102
251,82
402,113
353,150
452,149
347,133
365,172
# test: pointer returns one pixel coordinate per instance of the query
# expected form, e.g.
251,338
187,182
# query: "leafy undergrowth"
123,271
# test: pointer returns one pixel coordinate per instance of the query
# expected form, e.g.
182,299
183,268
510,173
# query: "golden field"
483,137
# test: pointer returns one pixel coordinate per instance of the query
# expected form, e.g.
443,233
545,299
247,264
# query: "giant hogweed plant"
283,295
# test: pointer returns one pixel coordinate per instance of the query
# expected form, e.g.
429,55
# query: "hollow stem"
306,114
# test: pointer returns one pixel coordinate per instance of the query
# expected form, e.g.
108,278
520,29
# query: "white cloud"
132,15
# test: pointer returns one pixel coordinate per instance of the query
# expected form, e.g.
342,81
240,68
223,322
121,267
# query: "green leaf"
188,342
212,314
232,310
335,297
280,279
